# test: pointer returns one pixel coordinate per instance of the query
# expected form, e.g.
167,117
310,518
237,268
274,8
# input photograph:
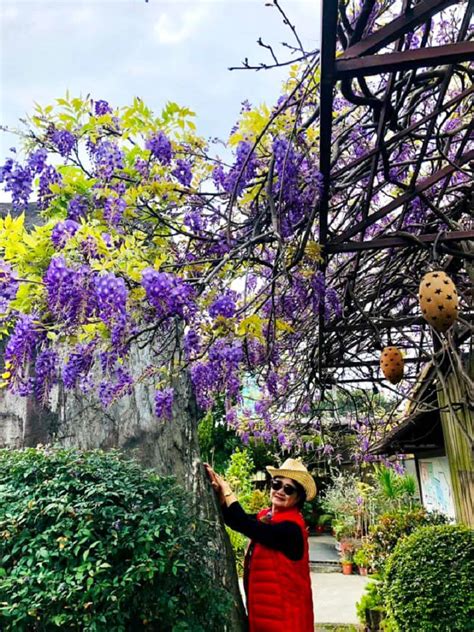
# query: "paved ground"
322,549
335,596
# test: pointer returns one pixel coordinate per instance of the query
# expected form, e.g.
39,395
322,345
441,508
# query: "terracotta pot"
363,570
347,568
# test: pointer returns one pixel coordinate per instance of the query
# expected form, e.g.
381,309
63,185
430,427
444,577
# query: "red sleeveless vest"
279,595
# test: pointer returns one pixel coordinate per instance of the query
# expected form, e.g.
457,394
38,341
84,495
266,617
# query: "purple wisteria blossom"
62,232
168,294
109,159
120,383
19,352
8,282
223,305
78,366
160,147
46,374
114,208
77,208
101,108
68,292
192,343
48,178
64,141
17,181
221,373
37,160
182,172
112,294
164,403
241,173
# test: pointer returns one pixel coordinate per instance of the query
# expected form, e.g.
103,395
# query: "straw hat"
294,469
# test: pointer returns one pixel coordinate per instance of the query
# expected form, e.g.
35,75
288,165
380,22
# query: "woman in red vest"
276,569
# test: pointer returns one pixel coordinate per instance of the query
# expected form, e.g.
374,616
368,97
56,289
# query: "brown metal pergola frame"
347,56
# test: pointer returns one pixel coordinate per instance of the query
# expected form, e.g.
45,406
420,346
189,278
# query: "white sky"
160,51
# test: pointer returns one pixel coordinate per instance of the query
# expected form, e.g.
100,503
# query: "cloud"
171,30
8,12
83,15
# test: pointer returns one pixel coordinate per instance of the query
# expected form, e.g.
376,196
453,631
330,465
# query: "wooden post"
458,421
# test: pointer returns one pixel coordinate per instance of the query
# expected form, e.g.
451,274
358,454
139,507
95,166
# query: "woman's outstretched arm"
284,536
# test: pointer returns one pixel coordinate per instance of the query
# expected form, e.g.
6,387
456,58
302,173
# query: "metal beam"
375,363
408,241
328,52
405,197
405,60
396,137
328,48
399,27
388,323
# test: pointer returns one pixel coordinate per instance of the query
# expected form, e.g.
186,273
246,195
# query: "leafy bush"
256,501
239,473
91,542
239,476
239,544
344,527
216,440
391,527
428,581
370,608
341,499
361,558
252,503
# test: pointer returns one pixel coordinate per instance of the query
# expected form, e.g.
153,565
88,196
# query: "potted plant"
347,557
347,563
362,561
343,528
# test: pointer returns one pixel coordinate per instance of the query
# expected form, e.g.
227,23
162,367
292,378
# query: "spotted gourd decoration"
392,364
439,301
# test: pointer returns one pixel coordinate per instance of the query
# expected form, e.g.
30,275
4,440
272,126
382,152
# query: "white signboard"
436,488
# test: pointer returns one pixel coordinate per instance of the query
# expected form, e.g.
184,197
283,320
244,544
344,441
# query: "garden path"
322,552
335,596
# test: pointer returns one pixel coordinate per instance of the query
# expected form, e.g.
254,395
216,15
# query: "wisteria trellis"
289,268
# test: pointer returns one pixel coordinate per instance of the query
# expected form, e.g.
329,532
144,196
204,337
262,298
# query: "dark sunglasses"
289,490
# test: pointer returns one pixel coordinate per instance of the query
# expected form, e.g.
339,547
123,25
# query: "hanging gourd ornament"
439,301
391,363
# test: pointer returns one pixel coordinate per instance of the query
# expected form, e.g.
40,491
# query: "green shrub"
239,545
324,520
256,501
239,473
428,581
390,528
91,542
370,608
361,558
239,476
252,503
